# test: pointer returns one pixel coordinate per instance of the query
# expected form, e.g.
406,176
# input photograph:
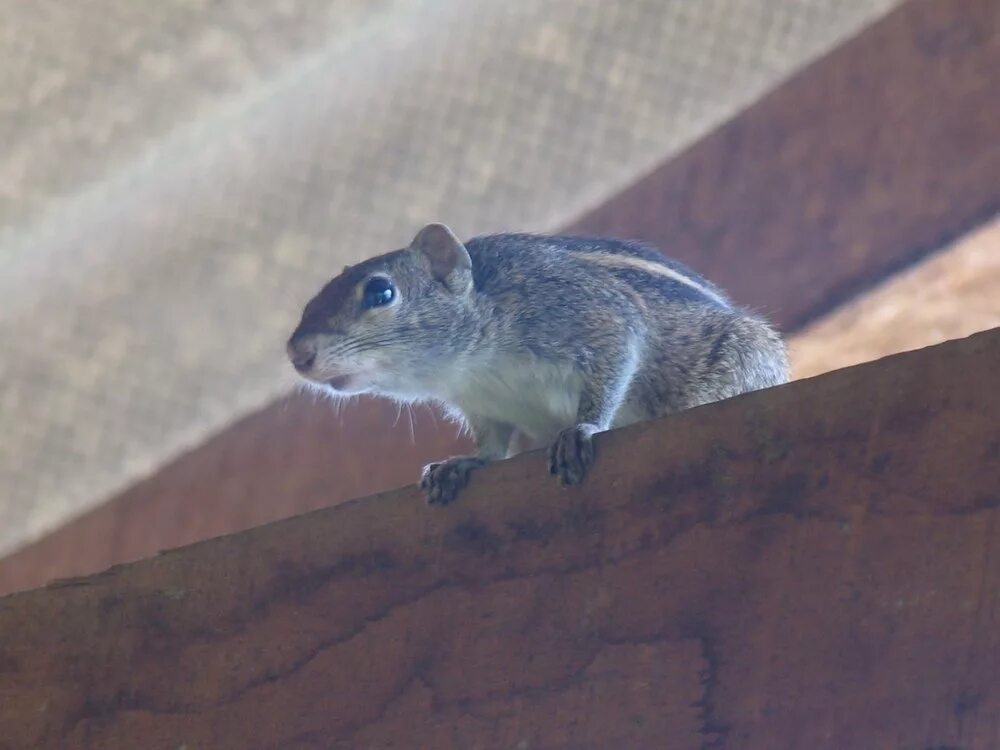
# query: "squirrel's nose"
302,354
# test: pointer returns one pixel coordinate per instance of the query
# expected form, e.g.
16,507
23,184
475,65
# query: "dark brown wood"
860,164
950,295
811,566
298,455
864,162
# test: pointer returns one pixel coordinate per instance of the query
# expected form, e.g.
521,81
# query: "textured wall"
178,177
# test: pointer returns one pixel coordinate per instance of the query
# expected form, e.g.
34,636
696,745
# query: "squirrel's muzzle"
302,353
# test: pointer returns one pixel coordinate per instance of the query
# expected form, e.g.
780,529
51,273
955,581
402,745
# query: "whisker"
352,345
366,344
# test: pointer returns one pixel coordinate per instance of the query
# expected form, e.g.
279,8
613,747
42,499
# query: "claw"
442,482
572,453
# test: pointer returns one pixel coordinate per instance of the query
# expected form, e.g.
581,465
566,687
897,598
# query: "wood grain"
298,455
950,295
810,566
864,162
856,167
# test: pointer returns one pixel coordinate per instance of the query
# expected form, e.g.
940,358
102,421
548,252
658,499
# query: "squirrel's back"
500,260
599,301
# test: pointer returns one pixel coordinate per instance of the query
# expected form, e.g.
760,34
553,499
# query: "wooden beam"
864,162
857,166
810,566
297,455
950,295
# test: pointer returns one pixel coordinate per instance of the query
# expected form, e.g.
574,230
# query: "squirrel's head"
384,325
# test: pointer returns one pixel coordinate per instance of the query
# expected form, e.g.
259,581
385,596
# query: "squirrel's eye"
378,291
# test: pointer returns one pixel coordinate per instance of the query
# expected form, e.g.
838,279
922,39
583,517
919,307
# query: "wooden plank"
857,166
810,566
297,455
862,163
950,295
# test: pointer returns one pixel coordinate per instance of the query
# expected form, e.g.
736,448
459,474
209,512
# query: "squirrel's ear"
449,260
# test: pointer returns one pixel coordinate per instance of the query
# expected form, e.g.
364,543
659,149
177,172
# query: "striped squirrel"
532,340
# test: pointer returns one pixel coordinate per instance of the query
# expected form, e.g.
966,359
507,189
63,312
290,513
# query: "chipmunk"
532,340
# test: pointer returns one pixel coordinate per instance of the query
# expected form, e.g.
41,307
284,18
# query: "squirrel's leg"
444,480
572,453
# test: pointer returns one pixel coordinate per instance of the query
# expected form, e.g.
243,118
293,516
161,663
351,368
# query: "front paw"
572,453
443,481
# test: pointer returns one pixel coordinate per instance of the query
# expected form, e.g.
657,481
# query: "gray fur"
552,339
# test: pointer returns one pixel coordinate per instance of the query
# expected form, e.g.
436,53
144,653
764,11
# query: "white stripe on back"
613,260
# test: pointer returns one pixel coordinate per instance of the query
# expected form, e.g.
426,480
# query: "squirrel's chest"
537,398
